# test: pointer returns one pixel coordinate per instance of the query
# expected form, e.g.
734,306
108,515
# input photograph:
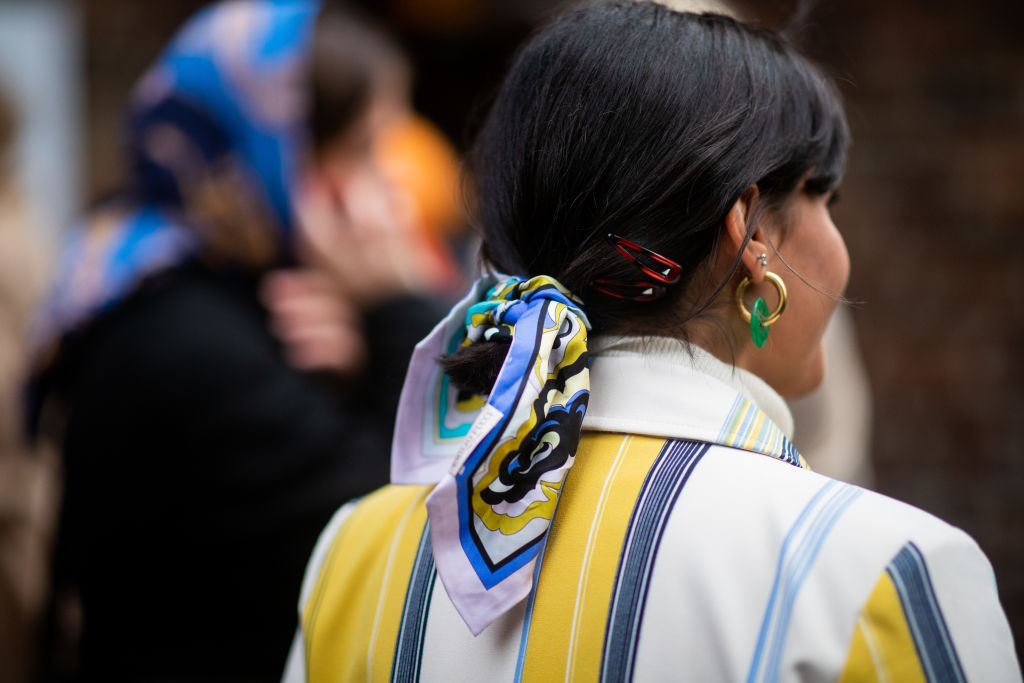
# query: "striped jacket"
689,544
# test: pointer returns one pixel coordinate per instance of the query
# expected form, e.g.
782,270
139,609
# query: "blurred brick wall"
122,37
932,209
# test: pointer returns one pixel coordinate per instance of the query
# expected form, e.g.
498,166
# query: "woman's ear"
756,253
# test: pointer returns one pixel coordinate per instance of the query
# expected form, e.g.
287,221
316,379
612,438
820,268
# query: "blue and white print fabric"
498,461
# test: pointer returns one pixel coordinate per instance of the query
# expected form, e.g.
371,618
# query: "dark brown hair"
351,57
634,119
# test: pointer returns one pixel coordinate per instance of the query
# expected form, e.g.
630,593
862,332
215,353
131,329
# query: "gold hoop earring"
760,319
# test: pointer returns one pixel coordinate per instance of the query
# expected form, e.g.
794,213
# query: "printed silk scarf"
499,462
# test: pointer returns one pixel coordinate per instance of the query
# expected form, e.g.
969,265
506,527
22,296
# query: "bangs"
830,142
816,130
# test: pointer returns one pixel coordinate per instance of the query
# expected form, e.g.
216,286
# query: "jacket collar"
664,387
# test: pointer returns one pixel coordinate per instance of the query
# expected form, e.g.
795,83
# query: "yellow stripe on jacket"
570,611
358,642
882,648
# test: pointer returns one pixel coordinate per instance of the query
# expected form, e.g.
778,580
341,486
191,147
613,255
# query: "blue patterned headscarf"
226,96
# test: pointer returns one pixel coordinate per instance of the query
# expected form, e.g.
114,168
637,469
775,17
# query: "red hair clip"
662,270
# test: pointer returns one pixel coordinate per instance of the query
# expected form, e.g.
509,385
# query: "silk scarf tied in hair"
499,462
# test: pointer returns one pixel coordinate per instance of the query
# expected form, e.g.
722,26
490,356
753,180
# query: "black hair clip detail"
661,270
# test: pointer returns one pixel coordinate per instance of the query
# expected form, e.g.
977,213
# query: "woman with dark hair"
655,186
201,458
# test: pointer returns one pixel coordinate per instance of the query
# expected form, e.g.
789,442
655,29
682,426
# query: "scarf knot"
512,299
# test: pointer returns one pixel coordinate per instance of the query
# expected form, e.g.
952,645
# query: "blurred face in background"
351,151
345,171
357,218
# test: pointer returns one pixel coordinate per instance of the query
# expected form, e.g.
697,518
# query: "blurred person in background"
28,477
222,352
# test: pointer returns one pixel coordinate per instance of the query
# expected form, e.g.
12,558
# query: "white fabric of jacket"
755,568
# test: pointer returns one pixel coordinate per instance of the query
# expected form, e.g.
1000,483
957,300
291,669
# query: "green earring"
758,330
761,318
